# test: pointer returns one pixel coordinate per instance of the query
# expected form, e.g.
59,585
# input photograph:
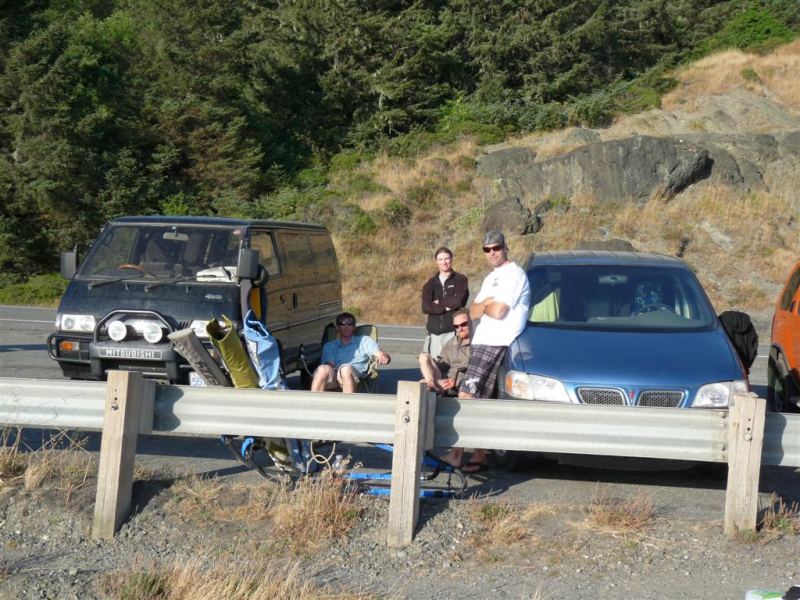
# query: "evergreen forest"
246,107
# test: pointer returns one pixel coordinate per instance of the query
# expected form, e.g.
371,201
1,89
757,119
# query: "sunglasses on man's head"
488,249
345,323
460,325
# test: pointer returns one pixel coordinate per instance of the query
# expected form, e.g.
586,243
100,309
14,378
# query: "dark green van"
145,277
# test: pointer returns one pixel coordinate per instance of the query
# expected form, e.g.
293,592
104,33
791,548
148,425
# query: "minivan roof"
603,257
223,221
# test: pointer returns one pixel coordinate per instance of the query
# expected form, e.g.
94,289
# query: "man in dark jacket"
441,295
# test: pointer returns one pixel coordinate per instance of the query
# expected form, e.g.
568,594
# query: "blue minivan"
621,328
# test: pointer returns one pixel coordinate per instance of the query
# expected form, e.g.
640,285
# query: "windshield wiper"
95,284
151,286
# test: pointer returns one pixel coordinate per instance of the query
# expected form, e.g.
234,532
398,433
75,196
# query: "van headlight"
199,328
81,323
535,387
720,394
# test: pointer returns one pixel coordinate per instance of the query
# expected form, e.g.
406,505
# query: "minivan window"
164,252
791,289
263,242
324,258
296,251
617,297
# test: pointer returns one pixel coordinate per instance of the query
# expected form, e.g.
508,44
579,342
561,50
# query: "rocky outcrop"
638,168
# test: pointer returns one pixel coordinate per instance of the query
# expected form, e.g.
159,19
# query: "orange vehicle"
783,371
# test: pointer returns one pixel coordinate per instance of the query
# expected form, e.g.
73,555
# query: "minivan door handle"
294,300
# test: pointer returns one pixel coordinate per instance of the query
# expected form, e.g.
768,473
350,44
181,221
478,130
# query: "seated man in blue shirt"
344,360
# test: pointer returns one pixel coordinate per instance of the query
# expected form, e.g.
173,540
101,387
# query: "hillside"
741,240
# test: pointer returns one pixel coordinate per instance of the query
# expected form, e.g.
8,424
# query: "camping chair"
368,384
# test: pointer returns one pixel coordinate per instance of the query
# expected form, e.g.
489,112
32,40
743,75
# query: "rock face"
638,167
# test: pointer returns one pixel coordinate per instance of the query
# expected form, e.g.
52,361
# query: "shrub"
753,29
39,290
749,74
397,213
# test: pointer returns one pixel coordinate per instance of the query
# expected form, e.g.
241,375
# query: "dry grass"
776,77
203,500
780,519
239,578
304,518
318,510
60,463
12,462
620,515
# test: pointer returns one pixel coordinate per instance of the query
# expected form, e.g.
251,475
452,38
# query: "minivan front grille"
608,396
661,398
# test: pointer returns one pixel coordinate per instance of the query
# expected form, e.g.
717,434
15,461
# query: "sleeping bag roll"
226,341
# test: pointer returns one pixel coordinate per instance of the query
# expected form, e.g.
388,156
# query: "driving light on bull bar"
117,331
83,323
152,332
535,387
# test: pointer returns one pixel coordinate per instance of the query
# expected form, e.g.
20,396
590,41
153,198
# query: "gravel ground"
548,548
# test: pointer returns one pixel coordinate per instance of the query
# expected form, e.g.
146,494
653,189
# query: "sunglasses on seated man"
346,323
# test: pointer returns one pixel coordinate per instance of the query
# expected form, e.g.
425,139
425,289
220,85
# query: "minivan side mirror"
69,264
247,267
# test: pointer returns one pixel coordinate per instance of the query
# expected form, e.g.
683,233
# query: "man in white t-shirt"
502,306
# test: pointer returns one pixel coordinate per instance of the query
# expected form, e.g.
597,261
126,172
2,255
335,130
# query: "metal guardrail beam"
781,440
697,435
274,413
52,404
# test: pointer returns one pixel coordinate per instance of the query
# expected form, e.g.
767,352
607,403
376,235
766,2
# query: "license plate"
195,380
134,353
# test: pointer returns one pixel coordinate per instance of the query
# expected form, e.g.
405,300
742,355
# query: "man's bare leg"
430,372
348,382
321,376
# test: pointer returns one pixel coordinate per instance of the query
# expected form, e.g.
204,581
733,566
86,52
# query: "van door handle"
294,301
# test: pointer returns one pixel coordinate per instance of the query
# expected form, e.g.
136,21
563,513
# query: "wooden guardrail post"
745,441
126,394
412,430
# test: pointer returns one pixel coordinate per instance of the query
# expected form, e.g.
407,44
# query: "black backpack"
743,334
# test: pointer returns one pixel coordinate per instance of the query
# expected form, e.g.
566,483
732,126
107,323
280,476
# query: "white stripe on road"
26,321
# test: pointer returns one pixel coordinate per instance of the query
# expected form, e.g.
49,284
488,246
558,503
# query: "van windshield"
618,297
164,252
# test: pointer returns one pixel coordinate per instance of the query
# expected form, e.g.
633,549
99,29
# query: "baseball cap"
494,238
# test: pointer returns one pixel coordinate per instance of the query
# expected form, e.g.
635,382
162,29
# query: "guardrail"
414,420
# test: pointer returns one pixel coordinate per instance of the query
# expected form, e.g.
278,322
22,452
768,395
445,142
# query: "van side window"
324,257
263,242
296,250
791,290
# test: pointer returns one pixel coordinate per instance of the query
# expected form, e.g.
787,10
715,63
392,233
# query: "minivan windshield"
166,252
618,297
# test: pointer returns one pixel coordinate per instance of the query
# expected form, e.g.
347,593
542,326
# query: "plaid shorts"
481,375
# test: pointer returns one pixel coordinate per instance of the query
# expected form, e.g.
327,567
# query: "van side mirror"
69,264
247,267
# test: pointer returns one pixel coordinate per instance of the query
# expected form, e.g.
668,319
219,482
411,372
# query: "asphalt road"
693,493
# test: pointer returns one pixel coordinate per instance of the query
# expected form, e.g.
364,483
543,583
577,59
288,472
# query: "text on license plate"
135,353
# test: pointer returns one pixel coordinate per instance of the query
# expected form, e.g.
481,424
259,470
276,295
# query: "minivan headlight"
535,387
82,323
719,394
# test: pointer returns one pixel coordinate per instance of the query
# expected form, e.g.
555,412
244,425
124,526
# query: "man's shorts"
435,342
484,362
334,379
